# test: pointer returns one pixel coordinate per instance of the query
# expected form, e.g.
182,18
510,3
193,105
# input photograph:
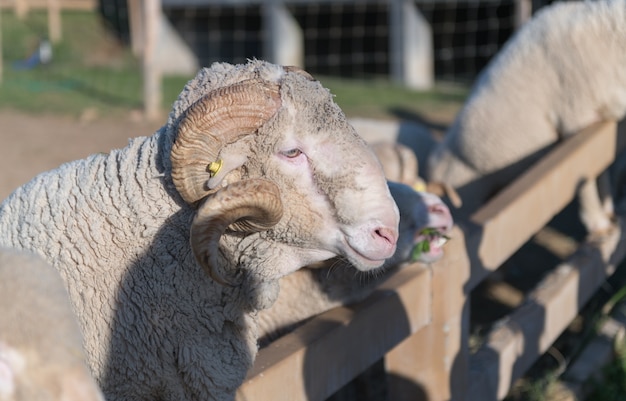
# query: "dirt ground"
33,144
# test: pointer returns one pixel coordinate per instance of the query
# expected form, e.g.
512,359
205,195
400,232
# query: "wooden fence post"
54,21
151,71
136,27
432,364
21,8
523,12
1,59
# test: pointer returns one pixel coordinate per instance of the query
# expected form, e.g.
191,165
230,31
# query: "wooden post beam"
537,196
432,364
323,355
531,329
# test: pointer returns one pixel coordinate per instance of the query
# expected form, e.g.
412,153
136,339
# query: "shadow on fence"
429,359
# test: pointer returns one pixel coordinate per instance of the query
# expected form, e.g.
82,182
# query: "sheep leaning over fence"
170,245
423,217
400,164
562,71
41,347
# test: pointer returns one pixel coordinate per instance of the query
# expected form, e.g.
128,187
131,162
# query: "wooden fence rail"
25,5
418,321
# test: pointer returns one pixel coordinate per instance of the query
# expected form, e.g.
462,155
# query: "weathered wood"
54,21
523,12
433,362
535,197
21,8
514,345
320,357
431,365
42,4
1,58
152,93
136,27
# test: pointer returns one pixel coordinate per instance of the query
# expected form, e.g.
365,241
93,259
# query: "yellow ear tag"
419,187
214,167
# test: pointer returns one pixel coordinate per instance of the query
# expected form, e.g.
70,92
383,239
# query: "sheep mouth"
361,261
429,244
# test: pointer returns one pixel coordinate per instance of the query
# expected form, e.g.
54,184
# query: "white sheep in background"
41,347
255,174
400,164
562,71
334,283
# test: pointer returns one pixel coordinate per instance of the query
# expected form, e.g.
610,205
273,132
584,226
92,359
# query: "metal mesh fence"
343,38
350,39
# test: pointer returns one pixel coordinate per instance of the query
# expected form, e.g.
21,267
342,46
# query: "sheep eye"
292,153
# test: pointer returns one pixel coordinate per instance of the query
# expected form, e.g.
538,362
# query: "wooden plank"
431,359
54,21
21,8
320,357
87,5
528,332
1,58
152,92
432,364
533,199
135,25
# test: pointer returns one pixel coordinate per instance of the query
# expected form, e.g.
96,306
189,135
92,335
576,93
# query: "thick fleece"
156,327
41,347
562,71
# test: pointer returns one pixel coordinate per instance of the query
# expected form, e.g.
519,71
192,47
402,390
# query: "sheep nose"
386,239
441,216
439,208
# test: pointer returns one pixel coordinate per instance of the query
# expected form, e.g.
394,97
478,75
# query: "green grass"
92,70
89,68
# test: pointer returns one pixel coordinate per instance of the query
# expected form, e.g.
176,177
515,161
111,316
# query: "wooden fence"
53,8
418,320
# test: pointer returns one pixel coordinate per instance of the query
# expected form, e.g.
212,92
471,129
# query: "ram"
170,246
562,71
41,347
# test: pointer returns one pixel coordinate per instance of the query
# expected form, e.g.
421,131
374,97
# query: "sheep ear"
231,158
244,206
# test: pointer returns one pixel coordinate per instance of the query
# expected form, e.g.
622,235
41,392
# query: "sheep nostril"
438,209
387,234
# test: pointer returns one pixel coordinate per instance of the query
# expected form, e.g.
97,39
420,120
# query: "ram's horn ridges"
215,120
247,206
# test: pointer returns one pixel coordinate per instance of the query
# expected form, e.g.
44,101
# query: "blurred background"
83,76
96,57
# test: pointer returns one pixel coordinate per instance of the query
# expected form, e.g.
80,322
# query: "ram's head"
280,178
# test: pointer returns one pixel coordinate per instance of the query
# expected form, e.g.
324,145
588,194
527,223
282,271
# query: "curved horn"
245,206
217,119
